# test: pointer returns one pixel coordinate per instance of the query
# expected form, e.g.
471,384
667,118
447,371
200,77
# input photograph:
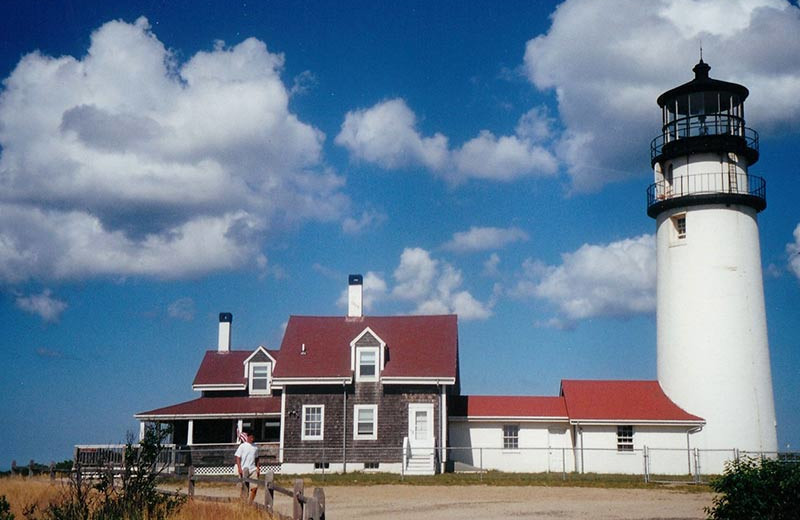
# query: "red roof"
221,406
507,406
416,346
224,368
621,401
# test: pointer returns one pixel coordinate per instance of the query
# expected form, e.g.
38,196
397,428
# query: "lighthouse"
712,347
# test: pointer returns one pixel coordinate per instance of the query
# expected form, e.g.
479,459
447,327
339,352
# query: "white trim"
507,418
224,386
370,436
411,380
283,425
615,422
190,433
260,348
321,435
311,380
251,369
374,377
382,357
251,415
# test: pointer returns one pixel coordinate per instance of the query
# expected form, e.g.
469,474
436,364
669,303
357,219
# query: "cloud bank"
606,280
608,61
386,134
125,162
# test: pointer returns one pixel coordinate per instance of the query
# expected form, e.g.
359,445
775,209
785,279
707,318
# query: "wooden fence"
303,507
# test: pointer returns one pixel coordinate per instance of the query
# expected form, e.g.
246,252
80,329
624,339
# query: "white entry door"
420,424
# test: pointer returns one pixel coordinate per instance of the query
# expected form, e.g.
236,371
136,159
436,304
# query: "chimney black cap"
225,317
355,279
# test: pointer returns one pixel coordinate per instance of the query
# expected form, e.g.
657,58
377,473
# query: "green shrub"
767,489
5,509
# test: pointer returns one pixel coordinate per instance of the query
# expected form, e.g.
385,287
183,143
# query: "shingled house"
382,393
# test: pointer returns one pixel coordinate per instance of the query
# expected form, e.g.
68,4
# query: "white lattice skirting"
231,470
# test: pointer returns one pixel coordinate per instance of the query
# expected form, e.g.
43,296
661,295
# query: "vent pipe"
225,320
354,296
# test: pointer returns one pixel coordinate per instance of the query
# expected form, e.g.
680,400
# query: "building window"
624,438
679,226
367,369
259,378
365,417
322,465
510,437
372,465
313,422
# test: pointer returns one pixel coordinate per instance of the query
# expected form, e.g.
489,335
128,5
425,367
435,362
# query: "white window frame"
510,437
376,352
678,235
365,436
624,438
303,435
251,377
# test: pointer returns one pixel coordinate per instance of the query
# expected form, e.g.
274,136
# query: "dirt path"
402,502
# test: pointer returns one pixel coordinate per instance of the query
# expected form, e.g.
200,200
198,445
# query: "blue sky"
161,163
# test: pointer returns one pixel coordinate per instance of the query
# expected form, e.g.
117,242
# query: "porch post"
141,430
238,429
190,432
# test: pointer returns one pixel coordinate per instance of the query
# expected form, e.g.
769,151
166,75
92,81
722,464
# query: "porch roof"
213,407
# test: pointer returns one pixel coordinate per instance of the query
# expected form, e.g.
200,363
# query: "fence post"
52,471
30,468
480,454
14,467
697,464
269,491
646,468
563,463
242,488
319,495
297,505
190,485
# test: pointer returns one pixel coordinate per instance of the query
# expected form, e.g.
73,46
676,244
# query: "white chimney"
354,296
225,319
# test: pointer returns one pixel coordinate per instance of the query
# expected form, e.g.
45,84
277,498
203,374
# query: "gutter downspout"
580,434
344,427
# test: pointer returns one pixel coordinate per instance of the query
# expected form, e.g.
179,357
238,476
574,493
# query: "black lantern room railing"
707,188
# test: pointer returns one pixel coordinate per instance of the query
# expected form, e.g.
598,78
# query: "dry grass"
24,492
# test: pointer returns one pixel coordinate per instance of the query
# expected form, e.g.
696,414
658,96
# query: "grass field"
22,493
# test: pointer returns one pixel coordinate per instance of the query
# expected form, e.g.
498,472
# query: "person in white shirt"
246,463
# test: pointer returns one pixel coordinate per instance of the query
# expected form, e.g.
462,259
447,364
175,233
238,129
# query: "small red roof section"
224,368
220,406
508,406
621,401
416,346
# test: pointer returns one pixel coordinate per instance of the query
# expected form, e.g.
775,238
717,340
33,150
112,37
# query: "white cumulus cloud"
127,162
434,286
181,309
616,280
386,134
44,305
484,238
608,61
793,250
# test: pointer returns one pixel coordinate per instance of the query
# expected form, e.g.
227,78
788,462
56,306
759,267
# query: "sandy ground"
402,502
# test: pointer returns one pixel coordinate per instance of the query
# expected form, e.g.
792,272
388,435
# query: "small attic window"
259,383
367,369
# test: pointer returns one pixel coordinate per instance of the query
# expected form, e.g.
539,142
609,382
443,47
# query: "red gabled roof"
508,406
224,368
621,401
416,346
220,406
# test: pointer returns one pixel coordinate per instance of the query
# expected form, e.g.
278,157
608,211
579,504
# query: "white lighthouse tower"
713,354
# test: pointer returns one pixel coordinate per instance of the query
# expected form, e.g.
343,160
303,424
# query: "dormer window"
367,356
259,378
367,369
258,372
